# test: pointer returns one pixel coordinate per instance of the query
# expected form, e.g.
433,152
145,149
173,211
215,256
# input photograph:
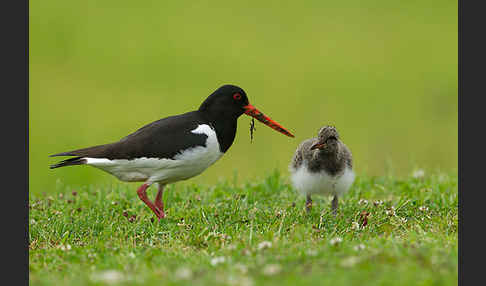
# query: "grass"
251,233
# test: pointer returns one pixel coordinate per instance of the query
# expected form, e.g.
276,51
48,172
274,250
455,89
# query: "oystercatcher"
322,165
174,148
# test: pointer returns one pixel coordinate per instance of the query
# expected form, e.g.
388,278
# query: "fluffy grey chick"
322,165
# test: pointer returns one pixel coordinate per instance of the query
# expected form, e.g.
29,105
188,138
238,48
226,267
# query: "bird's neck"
225,127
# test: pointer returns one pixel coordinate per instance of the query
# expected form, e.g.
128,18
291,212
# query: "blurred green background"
383,72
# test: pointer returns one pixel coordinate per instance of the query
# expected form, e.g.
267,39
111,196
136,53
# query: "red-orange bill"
255,113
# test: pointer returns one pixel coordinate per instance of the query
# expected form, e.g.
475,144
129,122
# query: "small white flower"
264,245
355,226
390,211
363,202
442,178
335,241
109,277
224,236
349,261
272,269
32,221
239,281
378,203
359,247
91,255
423,208
183,273
417,174
217,260
65,247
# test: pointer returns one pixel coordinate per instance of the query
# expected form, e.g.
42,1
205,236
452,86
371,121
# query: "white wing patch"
308,183
186,164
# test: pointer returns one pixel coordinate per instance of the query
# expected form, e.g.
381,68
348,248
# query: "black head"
327,139
230,101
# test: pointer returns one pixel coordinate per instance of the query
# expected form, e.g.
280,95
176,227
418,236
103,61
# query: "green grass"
217,235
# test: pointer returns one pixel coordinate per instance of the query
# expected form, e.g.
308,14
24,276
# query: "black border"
14,134
471,75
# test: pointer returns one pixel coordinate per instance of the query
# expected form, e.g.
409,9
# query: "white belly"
321,183
185,165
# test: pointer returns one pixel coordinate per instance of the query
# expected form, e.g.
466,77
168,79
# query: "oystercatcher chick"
174,148
322,165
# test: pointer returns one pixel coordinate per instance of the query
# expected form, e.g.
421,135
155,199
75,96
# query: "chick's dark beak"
318,145
258,115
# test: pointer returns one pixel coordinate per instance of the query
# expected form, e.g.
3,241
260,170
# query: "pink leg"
159,204
142,194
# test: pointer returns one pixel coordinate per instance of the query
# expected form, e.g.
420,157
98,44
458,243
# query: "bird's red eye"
237,96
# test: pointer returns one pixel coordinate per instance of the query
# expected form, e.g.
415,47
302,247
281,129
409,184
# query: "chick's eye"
237,96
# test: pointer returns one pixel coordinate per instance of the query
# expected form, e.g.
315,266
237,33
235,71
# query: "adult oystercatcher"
174,148
322,165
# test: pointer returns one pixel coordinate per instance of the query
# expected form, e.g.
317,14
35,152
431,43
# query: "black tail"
69,162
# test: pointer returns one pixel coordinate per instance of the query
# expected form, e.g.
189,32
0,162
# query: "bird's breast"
309,182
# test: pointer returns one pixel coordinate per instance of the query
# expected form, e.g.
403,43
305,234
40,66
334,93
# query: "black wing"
163,138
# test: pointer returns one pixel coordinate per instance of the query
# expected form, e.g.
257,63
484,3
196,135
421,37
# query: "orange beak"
255,113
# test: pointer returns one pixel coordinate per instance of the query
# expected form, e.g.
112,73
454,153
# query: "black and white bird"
322,165
174,148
